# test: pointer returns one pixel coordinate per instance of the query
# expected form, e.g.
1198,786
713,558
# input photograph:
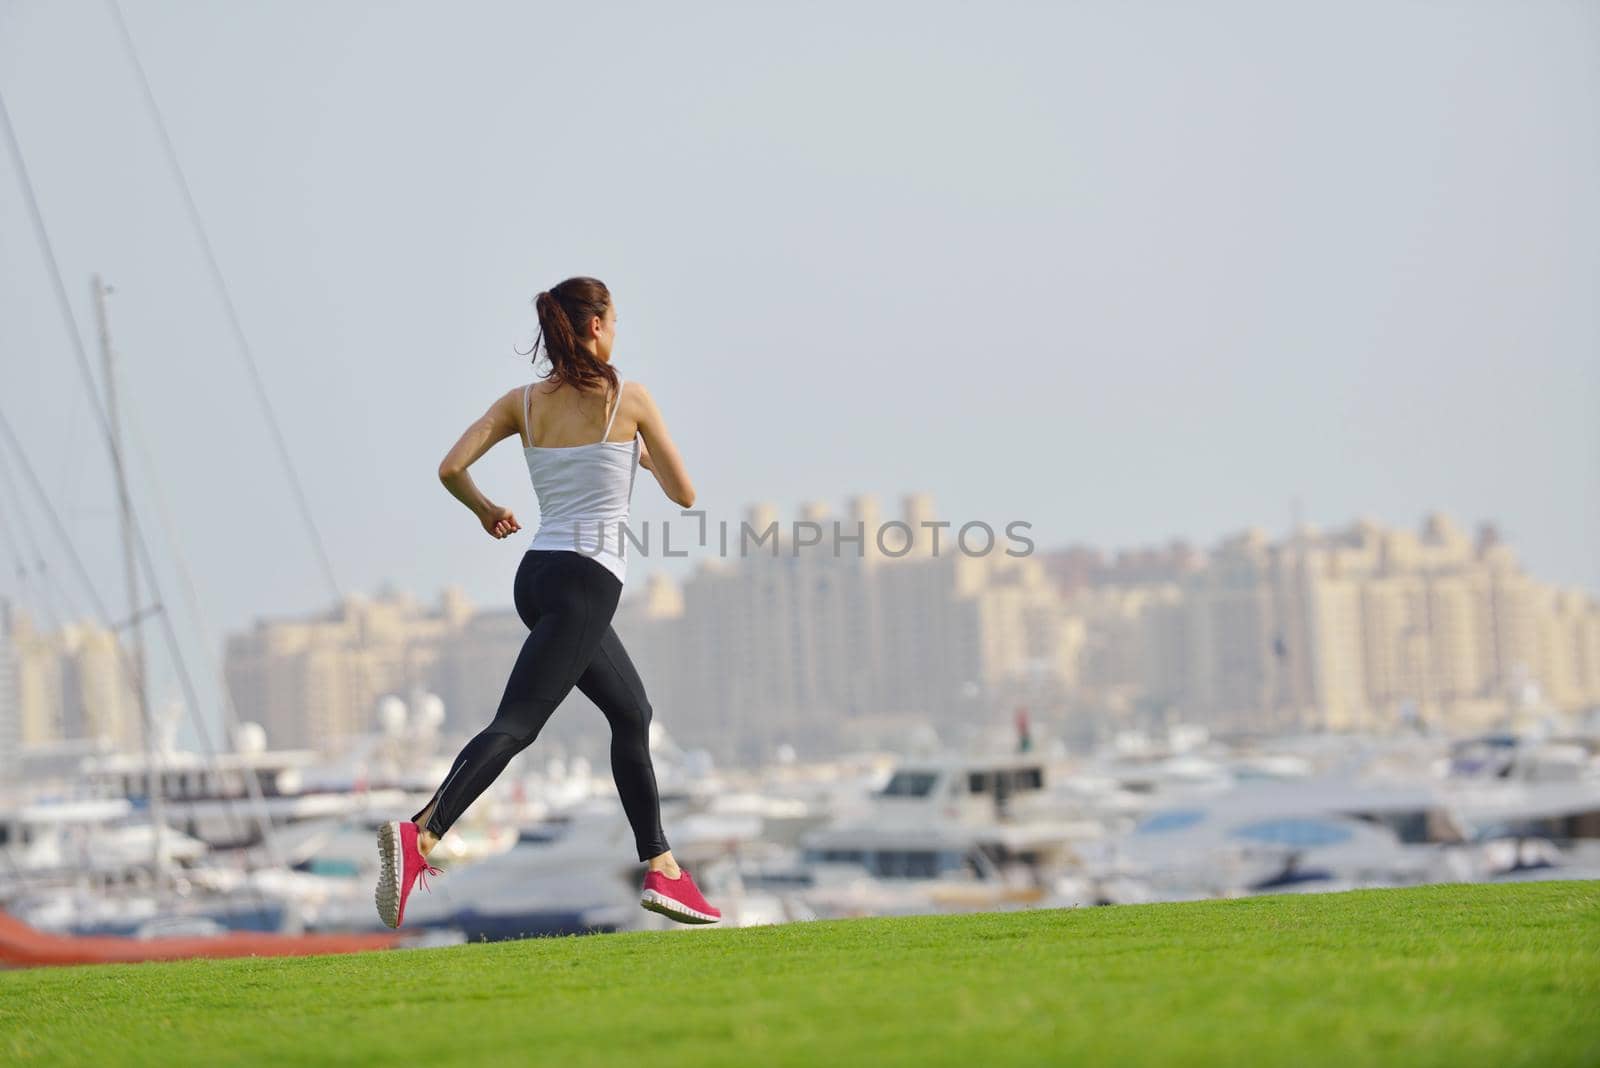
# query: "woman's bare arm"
503,419
661,455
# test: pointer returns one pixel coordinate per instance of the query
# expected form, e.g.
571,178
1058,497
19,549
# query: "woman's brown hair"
563,308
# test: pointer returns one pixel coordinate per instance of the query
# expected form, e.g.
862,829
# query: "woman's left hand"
499,522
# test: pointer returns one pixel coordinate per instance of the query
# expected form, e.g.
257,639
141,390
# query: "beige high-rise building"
1365,628
71,683
841,643
312,682
866,517
41,713
316,681
100,698
10,706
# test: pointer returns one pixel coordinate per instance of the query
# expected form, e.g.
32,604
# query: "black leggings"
566,599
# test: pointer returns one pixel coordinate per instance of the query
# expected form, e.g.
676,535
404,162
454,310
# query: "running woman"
580,428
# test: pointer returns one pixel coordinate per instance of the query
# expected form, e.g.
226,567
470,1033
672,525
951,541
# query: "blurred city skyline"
1127,274
807,647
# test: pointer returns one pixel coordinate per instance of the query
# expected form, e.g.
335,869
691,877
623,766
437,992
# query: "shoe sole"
656,901
387,894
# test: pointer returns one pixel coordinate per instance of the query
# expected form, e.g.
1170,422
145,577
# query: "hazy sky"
1126,271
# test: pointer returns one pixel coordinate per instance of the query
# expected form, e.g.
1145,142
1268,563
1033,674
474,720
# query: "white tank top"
583,492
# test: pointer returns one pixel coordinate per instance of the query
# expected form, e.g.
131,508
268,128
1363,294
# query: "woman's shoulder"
632,392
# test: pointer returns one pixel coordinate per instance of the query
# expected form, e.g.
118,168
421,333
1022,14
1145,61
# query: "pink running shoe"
677,899
400,863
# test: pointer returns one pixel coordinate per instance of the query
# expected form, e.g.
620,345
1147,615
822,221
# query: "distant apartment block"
1365,628
316,681
10,705
71,683
821,646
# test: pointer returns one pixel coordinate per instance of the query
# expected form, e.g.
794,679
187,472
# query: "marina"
548,851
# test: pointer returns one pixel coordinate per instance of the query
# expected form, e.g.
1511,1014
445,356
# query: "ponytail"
577,300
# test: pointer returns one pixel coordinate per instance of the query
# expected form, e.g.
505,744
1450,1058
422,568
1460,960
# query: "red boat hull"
22,946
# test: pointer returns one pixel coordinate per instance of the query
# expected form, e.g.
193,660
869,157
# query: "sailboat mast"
158,821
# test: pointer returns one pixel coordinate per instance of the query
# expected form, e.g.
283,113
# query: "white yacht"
942,833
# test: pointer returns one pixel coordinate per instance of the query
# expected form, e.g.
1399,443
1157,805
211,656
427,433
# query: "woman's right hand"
499,522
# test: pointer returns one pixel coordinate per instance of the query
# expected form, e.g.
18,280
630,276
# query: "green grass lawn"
1449,975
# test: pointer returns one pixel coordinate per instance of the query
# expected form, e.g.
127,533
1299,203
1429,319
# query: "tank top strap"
527,429
606,433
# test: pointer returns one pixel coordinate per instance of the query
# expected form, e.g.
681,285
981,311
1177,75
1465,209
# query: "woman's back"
559,415
582,474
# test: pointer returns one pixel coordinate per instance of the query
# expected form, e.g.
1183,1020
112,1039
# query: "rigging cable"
180,666
65,307
192,601
237,327
240,340
124,658
26,548
226,295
